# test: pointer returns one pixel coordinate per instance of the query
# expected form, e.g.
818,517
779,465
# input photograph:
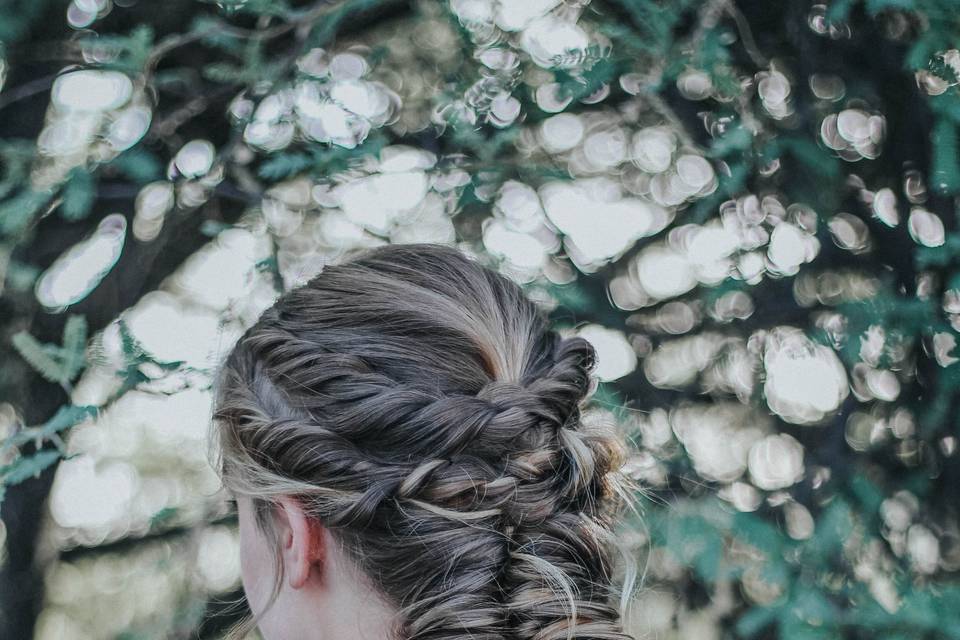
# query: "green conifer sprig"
56,363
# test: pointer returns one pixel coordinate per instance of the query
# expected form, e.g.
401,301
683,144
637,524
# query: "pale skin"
322,597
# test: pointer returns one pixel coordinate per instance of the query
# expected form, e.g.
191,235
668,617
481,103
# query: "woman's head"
421,413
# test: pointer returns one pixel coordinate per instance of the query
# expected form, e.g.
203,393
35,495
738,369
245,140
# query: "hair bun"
566,381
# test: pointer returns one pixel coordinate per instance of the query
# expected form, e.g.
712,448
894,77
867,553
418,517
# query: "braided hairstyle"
425,412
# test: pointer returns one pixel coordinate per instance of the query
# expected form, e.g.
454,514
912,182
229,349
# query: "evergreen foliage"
794,400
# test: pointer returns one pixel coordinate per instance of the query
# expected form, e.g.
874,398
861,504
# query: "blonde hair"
422,409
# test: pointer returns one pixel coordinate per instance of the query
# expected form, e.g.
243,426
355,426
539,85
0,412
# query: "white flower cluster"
334,102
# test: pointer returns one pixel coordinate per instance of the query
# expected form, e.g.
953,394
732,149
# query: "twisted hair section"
422,409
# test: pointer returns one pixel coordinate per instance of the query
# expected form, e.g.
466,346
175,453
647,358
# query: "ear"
301,541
